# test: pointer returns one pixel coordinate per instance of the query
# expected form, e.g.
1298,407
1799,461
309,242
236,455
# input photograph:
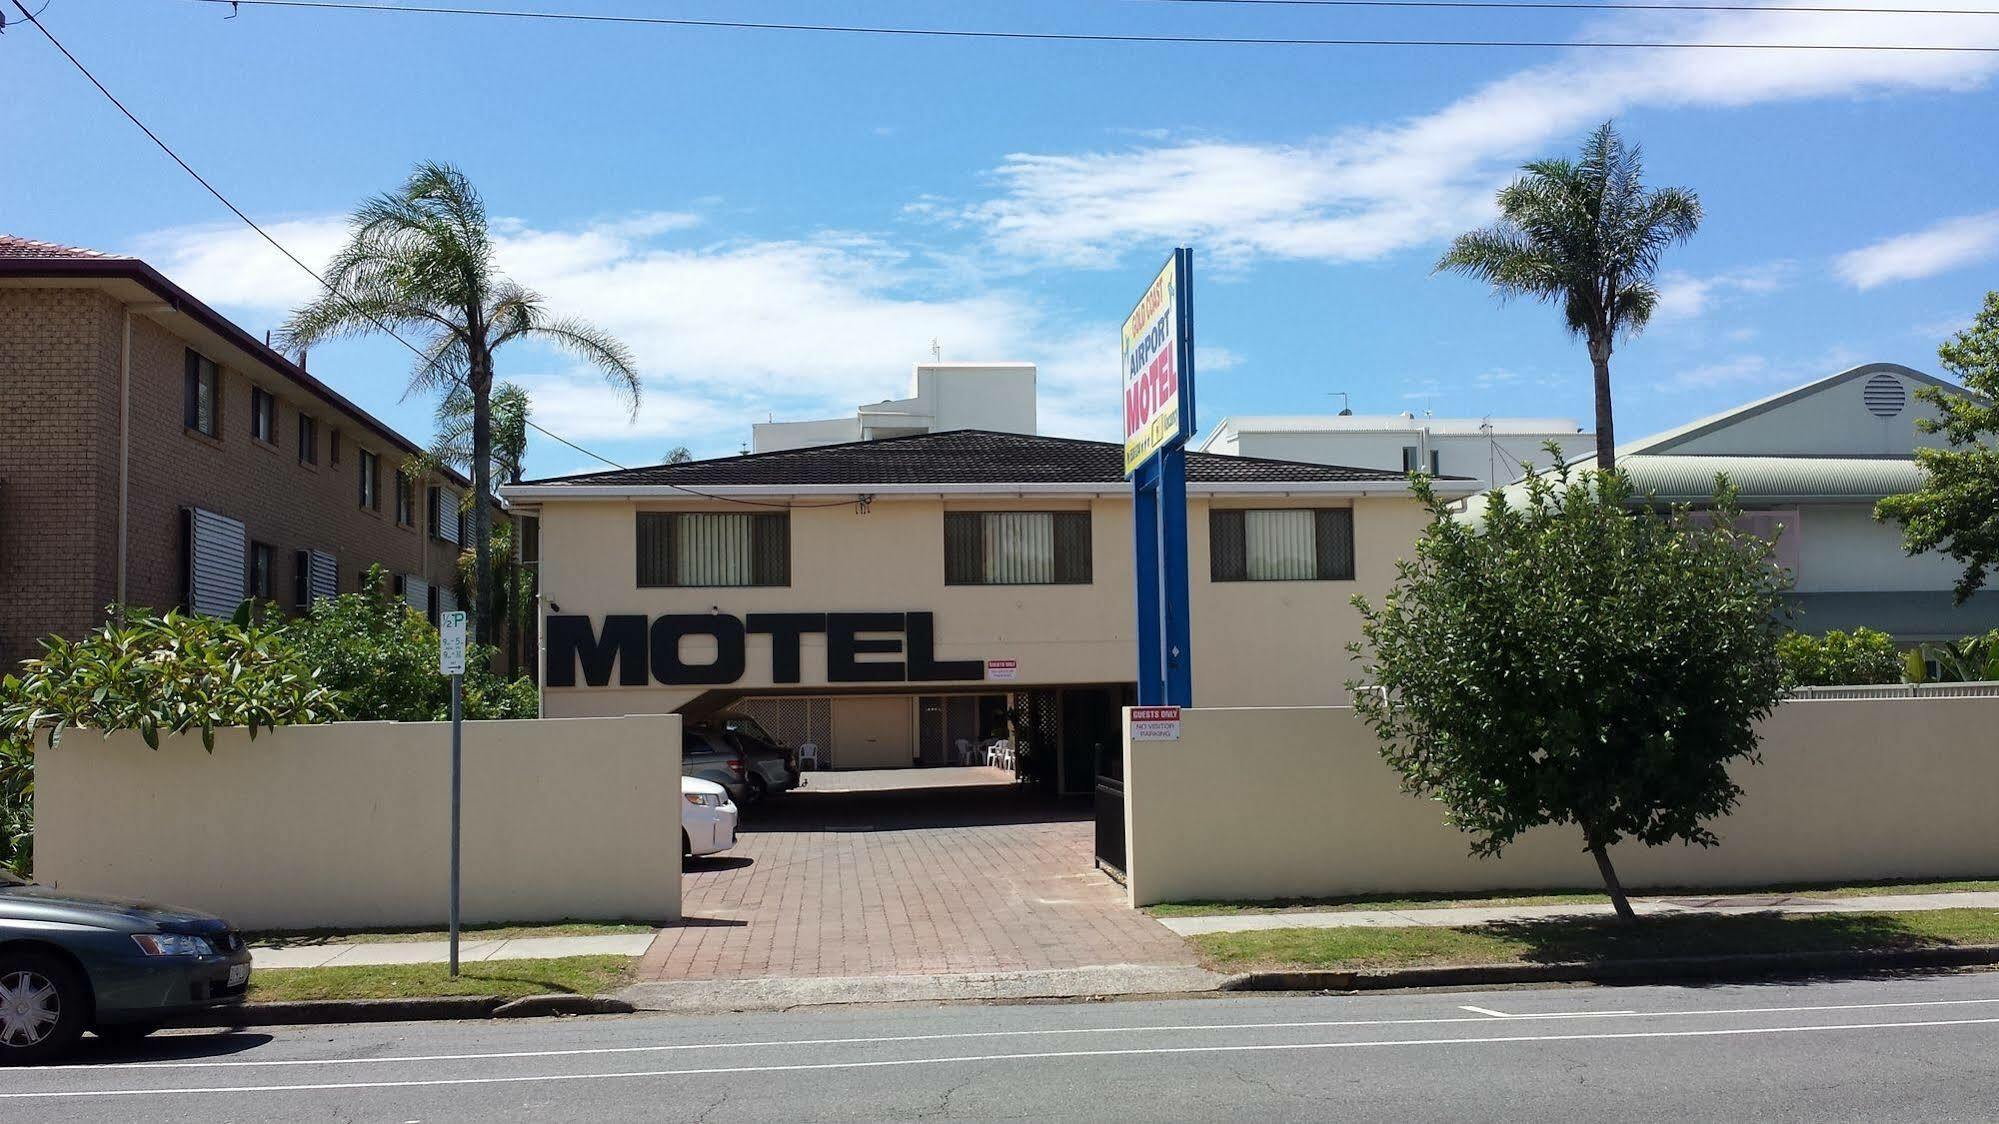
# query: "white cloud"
1363,193
1683,296
1208,360
1952,243
1758,370
1746,368
725,333
231,265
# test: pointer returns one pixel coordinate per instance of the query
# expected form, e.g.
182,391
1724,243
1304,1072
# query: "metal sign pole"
451,662
457,727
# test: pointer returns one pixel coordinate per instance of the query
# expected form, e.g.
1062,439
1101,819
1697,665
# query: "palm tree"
452,445
1587,234
679,455
419,262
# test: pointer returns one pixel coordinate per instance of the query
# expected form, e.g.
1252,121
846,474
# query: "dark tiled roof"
14,246
959,456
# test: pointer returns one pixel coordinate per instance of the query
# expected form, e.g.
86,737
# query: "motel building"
888,600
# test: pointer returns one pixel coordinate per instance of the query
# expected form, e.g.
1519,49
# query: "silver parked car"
709,757
767,768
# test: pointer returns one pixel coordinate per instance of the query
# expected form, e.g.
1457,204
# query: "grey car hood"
42,903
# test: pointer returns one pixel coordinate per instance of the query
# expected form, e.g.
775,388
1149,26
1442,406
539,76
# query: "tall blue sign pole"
1158,358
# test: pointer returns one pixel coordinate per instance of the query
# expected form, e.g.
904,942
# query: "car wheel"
759,788
42,1007
124,1034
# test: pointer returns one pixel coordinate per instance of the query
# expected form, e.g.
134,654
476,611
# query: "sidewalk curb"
319,1011
1661,970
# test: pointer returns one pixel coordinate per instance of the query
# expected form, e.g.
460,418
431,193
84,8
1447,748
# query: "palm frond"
594,346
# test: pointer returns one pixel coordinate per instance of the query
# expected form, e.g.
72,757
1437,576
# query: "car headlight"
173,944
706,799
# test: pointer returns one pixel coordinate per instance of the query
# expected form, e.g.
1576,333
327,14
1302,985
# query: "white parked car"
707,818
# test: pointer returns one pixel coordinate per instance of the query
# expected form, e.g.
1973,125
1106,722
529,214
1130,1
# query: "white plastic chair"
964,751
808,757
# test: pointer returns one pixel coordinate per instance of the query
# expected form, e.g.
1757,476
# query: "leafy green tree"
153,674
1841,659
1957,509
420,261
1577,657
379,657
1587,235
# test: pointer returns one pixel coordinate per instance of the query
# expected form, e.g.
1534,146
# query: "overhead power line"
1588,6
1084,37
315,275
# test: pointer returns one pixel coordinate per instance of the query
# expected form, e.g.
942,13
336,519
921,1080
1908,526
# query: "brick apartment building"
154,453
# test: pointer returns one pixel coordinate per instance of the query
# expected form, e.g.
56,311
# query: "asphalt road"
1905,1049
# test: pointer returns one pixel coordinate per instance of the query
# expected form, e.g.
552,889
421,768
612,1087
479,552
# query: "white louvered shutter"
447,601
325,574
416,593
447,515
218,561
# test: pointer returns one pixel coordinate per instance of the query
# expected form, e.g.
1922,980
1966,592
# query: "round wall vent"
1885,395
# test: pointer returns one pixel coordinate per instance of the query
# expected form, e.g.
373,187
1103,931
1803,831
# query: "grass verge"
1558,897
499,931
510,979
1594,940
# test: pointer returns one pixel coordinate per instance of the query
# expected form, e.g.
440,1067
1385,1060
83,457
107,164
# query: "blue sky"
780,223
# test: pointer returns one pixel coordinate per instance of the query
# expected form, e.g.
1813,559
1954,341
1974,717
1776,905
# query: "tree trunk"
1606,430
1610,883
481,385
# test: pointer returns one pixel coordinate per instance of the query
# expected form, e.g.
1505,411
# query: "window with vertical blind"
714,548
1280,544
1017,548
371,480
263,416
203,393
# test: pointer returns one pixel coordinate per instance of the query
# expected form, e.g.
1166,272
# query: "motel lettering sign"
860,648
1151,352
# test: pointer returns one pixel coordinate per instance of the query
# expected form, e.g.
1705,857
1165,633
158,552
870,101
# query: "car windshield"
743,724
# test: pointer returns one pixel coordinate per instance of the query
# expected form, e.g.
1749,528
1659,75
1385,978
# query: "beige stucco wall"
1297,802
348,824
1255,643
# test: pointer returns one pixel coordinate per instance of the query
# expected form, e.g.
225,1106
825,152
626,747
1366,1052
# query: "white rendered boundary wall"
348,824
1297,802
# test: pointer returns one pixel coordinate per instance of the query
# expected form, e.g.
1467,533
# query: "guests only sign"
1153,340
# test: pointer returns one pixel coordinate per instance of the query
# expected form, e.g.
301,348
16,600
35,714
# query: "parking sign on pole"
451,661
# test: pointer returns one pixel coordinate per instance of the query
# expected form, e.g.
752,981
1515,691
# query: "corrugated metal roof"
1774,478
1758,480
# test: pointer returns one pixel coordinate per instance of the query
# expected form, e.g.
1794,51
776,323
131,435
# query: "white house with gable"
1810,464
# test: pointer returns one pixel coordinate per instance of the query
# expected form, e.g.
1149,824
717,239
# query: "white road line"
1484,1011
1316,1024
717,1071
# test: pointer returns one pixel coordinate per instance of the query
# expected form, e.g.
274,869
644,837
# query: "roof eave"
541,493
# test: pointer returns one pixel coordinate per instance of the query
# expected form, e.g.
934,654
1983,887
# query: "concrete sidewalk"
1451,917
437,952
